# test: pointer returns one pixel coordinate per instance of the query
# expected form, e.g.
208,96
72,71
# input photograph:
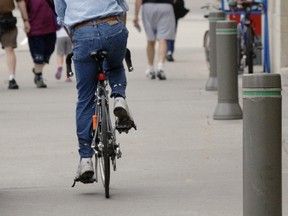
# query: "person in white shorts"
64,47
159,24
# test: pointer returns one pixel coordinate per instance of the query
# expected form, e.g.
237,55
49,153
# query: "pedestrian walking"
95,25
179,12
42,36
64,47
9,32
159,24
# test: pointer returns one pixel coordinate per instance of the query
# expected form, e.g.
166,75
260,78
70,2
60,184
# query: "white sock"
11,77
150,68
160,66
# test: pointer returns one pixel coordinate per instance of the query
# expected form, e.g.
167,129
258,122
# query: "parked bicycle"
248,41
206,39
104,143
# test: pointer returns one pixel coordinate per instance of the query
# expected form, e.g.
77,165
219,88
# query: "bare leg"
161,59
150,56
60,60
38,68
162,51
11,60
151,52
11,64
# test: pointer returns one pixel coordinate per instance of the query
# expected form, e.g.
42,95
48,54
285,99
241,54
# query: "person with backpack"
179,11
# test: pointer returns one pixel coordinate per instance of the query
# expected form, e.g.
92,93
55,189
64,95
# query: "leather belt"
95,22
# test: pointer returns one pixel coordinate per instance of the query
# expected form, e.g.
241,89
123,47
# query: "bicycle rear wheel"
105,158
206,45
249,49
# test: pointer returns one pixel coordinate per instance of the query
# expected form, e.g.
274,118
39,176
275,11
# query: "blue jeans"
170,46
87,39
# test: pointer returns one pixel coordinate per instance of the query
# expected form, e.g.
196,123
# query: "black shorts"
42,47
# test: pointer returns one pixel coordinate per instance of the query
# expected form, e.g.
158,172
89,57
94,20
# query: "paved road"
180,162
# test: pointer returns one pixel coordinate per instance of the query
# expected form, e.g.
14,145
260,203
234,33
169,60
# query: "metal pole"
262,145
212,83
226,39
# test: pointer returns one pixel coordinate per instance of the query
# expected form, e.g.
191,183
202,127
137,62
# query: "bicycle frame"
103,131
102,91
104,137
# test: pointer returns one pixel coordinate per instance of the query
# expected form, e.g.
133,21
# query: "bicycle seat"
99,55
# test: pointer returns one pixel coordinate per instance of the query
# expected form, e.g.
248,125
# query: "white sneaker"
121,111
150,74
85,171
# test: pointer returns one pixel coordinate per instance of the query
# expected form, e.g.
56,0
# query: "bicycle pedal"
88,181
124,127
84,180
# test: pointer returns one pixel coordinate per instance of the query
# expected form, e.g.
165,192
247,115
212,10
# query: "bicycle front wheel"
105,160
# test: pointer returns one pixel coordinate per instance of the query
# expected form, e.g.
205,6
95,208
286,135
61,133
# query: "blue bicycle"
248,42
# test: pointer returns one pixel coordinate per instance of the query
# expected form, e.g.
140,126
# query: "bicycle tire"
249,49
106,157
206,45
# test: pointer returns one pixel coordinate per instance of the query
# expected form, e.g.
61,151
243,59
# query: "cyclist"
95,25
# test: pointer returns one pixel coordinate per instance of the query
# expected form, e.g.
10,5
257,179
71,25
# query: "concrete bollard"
262,145
212,83
228,103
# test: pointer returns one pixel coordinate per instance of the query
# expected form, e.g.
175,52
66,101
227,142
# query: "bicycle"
206,38
104,143
248,41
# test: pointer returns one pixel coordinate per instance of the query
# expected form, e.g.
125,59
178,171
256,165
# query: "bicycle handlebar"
245,4
69,63
210,7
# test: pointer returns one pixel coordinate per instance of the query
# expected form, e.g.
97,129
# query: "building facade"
278,28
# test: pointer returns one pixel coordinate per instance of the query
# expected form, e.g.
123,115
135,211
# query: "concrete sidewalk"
180,162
